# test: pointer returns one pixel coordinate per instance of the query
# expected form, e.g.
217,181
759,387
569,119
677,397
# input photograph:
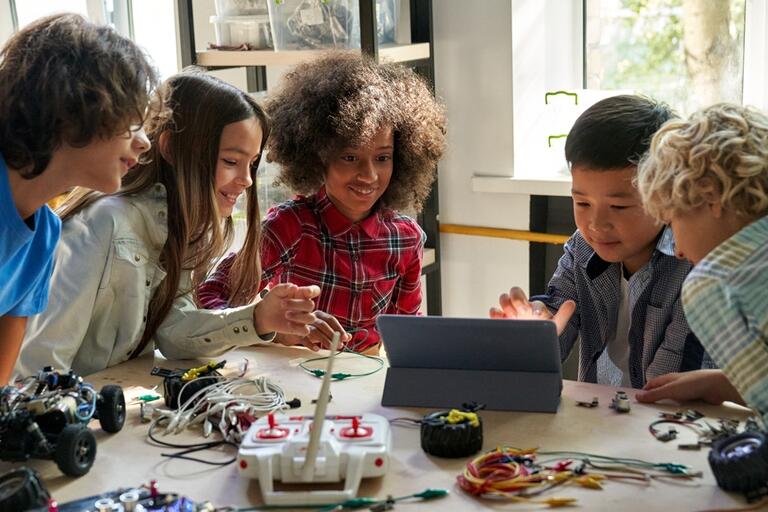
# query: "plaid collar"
665,246
338,224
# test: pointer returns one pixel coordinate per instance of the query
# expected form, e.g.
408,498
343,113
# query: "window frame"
563,67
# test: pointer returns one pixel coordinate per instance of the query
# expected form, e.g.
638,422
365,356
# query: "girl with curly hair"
357,141
708,178
129,263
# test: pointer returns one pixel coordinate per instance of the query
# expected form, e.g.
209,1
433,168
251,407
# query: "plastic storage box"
321,24
253,31
241,7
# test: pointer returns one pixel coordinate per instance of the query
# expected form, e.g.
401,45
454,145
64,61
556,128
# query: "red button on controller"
273,432
356,431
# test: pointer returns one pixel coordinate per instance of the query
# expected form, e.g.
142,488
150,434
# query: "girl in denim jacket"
128,265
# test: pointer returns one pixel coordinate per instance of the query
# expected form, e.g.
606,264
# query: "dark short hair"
342,100
66,80
616,132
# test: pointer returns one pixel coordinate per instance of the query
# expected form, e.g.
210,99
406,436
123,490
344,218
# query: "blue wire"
86,417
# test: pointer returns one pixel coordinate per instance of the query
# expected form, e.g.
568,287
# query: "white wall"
473,75
6,22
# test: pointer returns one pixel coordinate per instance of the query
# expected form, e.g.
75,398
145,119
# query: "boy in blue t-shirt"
73,100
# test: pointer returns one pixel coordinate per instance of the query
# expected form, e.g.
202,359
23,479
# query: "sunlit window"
151,24
27,11
689,53
154,30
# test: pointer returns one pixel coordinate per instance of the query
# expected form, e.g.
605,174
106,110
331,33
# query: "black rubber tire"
75,450
110,408
451,441
21,489
740,462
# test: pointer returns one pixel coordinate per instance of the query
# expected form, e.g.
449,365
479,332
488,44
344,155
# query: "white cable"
218,404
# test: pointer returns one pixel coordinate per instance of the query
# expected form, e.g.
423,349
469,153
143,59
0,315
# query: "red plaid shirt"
363,269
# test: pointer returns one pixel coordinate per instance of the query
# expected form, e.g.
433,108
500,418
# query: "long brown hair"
202,106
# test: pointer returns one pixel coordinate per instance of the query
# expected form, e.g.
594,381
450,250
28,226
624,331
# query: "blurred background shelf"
223,58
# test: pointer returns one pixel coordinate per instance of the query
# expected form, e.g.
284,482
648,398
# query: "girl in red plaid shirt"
357,141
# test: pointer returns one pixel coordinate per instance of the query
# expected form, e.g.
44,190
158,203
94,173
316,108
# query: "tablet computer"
444,362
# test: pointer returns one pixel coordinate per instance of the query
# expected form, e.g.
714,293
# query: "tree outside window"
689,53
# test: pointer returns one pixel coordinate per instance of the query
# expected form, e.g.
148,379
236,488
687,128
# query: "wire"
349,349
229,405
516,475
355,503
316,372
190,448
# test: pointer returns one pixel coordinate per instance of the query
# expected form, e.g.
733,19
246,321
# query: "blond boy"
707,177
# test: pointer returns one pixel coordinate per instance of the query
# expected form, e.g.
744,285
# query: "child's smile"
239,148
358,177
610,217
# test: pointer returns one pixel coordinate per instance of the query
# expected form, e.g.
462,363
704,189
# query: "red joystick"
273,432
153,492
356,431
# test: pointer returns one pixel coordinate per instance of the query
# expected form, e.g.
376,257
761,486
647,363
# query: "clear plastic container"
322,24
241,7
253,31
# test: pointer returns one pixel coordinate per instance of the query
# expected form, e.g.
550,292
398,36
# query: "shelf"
429,257
223,58
559,186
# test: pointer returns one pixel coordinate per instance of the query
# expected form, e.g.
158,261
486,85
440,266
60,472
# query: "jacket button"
236,330
148,282
207,340
245,328
137,257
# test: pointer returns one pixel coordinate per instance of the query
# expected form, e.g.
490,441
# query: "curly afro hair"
341,100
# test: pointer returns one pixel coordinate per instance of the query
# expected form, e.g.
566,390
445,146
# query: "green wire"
354,503
341,375
666,466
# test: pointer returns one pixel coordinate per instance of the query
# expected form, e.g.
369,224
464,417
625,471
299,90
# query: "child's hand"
320,333
515,305
286,308
712,386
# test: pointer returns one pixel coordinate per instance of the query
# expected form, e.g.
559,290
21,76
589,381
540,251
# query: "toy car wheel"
21,489
75,450
111,408
740,462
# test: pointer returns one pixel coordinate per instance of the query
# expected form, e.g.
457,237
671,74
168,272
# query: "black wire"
190,448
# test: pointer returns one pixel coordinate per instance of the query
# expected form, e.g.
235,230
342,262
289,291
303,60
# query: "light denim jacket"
105,272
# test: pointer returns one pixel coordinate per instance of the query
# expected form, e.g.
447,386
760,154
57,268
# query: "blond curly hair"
721,150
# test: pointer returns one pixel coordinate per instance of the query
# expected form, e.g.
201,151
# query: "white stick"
308,470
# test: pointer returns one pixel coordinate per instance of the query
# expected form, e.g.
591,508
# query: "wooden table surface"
126,459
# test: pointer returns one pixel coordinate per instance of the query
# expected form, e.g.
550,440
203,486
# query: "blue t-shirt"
26,254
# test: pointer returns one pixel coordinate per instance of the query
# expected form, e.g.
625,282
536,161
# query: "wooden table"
126,459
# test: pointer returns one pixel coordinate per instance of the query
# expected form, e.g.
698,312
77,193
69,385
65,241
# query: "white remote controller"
304,449
350,448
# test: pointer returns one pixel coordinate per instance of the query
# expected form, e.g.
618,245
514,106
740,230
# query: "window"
27,12
688,53
154,30
150,23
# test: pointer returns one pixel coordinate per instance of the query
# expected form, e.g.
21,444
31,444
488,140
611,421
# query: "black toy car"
47,417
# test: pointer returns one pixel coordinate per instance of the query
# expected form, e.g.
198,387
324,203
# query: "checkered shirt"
660,340
725,298
363,269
